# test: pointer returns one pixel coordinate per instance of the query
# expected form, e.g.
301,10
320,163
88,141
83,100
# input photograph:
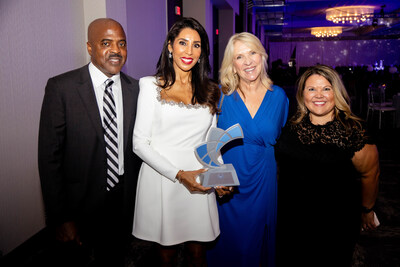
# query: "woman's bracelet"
178,176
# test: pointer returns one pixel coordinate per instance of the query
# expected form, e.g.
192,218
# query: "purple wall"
146,32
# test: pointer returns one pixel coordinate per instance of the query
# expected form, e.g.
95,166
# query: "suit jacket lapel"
86,91
127,100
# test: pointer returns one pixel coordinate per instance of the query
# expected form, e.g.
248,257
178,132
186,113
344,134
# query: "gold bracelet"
177,176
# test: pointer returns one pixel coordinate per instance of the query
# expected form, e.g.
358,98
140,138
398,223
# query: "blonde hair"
228,78
342,99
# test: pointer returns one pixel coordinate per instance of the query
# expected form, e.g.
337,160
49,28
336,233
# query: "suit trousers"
104,242
110,241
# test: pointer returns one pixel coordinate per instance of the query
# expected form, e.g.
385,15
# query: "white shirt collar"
98,77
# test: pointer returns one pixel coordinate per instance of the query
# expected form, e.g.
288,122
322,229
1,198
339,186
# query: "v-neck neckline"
245,107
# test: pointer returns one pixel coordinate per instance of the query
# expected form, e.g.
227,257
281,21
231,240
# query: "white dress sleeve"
142,133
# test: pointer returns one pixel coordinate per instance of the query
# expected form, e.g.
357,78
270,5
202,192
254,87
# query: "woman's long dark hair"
205,92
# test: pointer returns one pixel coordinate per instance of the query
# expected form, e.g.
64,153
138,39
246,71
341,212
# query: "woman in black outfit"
328,176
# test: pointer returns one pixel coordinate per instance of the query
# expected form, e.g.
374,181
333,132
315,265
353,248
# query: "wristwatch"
366,210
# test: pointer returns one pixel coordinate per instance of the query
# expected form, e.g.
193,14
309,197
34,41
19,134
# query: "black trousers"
104,239
109,247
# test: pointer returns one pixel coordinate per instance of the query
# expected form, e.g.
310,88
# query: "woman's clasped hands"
223,190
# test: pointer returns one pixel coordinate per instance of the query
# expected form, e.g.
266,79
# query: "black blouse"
319,190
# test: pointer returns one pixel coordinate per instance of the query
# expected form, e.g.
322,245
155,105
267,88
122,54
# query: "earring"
169,54
198,61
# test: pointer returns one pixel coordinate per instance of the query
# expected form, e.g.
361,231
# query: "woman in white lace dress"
176,108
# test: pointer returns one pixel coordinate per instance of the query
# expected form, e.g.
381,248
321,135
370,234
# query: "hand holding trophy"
207,153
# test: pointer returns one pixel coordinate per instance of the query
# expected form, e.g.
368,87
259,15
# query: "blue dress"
248,217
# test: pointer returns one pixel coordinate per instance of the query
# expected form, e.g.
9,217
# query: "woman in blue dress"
248,214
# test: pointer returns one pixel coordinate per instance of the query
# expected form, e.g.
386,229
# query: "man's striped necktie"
110,135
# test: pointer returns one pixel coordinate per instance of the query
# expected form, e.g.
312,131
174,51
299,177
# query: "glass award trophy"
208,152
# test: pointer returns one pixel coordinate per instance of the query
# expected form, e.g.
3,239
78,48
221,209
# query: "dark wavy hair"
205,92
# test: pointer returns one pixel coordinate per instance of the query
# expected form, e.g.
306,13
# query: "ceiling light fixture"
326,31
349,14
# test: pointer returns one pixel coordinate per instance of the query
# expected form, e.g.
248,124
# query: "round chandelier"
326,31
349,14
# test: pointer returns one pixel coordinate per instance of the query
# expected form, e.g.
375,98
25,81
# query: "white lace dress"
165,136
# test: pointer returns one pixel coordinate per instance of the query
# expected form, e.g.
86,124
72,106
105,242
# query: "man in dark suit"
88,174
